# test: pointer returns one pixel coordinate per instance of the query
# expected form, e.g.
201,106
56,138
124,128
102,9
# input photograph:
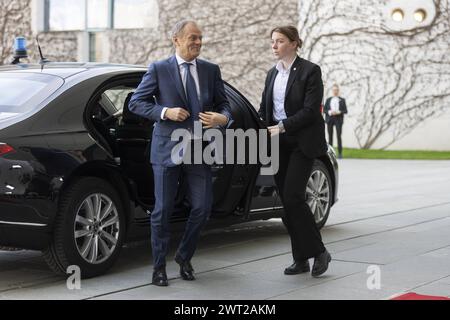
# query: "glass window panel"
130,14
96,46
118,96
24,92
66,15
97,14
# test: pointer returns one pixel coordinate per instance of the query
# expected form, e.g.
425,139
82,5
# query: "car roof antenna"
43,59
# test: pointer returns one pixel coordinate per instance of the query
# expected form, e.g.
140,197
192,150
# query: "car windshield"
23,92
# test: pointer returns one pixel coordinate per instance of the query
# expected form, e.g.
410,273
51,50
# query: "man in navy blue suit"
175,93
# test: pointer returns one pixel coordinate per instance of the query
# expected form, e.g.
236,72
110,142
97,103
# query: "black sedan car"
75,176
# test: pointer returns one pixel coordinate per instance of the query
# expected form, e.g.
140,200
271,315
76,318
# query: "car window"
117,96
23,92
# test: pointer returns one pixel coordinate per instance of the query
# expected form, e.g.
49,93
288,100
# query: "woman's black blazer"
304,94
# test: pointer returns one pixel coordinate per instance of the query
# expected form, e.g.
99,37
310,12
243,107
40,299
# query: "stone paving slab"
391,214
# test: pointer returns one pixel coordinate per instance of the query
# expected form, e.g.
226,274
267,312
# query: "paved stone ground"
392,214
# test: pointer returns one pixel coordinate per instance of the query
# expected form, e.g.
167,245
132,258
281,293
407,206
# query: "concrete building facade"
390,56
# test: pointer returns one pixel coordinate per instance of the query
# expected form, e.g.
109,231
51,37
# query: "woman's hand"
212,119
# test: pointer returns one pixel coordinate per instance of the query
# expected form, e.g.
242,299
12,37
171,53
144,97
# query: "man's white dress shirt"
183,73
334,105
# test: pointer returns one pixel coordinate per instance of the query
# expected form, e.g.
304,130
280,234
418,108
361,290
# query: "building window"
69,15
98,14
65,15
134,14
91,18
96,46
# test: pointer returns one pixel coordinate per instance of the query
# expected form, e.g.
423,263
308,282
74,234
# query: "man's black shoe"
321,264
160,278
297,267
186,270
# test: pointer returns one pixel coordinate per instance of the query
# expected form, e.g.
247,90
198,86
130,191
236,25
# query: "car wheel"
319,193
89,228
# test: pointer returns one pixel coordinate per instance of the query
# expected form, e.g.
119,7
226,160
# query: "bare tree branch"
385,74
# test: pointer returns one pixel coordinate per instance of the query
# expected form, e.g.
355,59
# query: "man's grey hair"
178,28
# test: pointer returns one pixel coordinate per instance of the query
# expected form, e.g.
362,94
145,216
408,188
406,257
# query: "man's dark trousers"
335,121
295,170
199,193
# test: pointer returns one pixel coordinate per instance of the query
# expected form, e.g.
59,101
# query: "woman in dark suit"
290,107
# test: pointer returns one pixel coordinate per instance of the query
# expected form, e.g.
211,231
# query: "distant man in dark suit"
335,108
174,93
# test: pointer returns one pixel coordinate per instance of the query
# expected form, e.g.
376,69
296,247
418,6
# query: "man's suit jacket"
304,94
162,87
342,108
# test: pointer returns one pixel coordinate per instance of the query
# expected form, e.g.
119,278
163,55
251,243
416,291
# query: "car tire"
319,193
89,228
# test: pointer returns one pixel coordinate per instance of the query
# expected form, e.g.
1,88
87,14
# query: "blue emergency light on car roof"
20,44
20,49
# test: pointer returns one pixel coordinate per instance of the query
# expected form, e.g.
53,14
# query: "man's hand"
177,114
335,113
274,130
212,119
